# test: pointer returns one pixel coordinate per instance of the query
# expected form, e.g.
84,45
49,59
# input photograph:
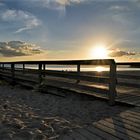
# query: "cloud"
26,20
114,50
59,5
119,8
119,53
61,2
55,4
1,4
18,48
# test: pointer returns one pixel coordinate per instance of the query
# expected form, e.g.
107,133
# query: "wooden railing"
62,78
129,78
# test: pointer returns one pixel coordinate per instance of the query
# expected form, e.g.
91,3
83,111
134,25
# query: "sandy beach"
26,114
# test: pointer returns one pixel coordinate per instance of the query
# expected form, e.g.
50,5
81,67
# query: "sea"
74,67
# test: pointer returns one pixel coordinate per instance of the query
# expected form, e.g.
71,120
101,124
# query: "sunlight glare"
99,69
99,51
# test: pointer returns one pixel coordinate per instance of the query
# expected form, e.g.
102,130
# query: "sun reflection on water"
99,69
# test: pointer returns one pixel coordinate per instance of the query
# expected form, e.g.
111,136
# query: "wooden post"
44,68
112,83
13,72
2,66
78,72
23,68
40,72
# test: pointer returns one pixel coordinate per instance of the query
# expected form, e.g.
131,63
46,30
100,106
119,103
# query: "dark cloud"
119,53
18,48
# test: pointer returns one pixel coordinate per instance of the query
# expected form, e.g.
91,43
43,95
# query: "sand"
26,114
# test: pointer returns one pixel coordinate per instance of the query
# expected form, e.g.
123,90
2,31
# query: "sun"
99,51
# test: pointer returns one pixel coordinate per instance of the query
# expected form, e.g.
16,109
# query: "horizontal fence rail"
129,78
62,78
67,62
131,64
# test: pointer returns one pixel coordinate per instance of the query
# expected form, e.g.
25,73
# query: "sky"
69,29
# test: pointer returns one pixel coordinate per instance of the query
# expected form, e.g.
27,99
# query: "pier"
117,87
64,79
111,85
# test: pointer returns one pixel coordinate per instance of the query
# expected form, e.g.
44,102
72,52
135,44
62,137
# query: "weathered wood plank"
126,121
129,84
112,131
27,84
78,72
23,68
66,137
123,124
113,128
22,78
40,72
81,91
78,77
133,112
13,72
67,62
135,118
88,135
132,99
128,76
129,63
137,109
66,84
136,102
128,118
128,103
112,84
122,130
78,136
102,134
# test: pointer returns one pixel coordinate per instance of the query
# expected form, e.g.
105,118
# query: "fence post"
23,68
40,72
2,66
44,67
13,72
112,83
78,72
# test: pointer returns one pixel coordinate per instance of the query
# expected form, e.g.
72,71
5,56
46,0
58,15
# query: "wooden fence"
11,71
129,78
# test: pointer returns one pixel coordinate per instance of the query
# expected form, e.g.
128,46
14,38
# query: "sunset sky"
69,29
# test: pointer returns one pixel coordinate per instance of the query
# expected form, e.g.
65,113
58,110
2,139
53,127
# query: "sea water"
74,67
